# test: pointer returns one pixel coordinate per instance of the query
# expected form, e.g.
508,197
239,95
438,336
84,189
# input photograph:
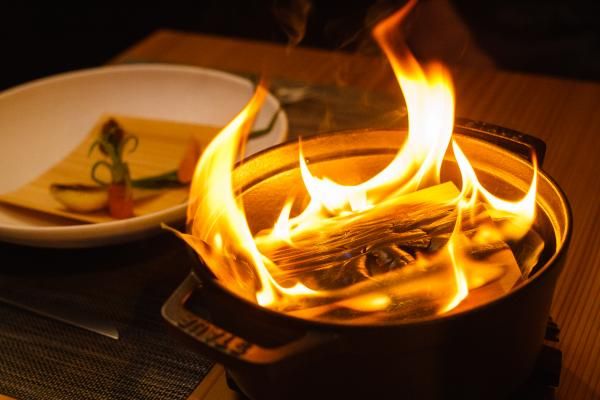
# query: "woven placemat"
44,359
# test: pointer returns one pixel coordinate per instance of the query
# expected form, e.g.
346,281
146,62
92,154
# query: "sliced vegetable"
120,200
89,198
162,181
80,198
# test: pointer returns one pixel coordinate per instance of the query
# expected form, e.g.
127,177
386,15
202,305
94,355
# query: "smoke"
339,105
292,16
351,31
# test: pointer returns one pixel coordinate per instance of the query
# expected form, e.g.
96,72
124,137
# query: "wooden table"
564,113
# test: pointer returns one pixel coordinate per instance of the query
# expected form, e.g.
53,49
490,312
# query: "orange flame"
520,214
218,219
219,230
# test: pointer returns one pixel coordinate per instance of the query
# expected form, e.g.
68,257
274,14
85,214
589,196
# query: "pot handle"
222,345
513,141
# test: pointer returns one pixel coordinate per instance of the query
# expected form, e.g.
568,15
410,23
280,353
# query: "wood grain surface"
213,387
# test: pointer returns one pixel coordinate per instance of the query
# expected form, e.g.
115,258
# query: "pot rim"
207,277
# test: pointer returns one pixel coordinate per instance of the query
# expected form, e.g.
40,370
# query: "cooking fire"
402,243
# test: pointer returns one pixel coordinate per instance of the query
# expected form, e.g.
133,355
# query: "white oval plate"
42,121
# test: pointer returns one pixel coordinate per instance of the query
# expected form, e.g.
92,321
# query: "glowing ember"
398,245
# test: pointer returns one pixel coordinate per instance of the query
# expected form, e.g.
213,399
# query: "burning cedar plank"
362,246
411,292
399,220
366,255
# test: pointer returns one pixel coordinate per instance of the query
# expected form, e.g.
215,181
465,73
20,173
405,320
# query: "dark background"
550,37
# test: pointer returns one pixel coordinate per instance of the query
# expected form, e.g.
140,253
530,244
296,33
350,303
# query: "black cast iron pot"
484,353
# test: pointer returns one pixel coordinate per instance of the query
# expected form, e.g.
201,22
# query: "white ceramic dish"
42,121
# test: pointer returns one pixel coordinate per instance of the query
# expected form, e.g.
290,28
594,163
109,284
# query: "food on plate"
118,193
115,190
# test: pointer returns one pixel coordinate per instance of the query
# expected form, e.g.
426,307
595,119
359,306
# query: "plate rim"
118,231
